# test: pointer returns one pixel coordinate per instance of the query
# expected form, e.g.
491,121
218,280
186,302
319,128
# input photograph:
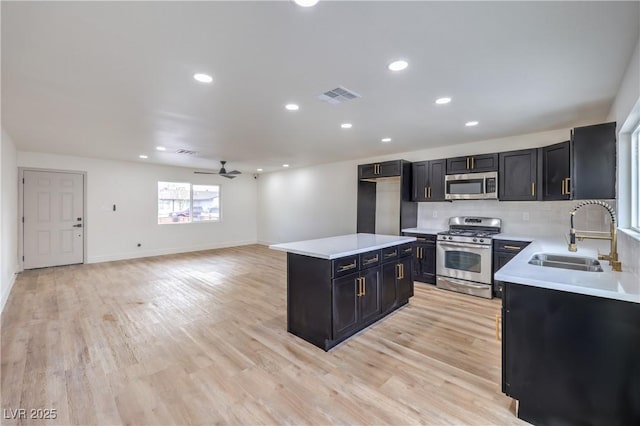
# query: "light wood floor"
201,338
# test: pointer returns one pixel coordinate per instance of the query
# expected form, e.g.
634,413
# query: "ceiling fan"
222,172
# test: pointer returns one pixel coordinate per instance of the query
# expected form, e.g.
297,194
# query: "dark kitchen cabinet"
472,164
424,258
518,175
593,151
428,180
367,194
503,252
556,172
330,300
570,359
397,277
378,170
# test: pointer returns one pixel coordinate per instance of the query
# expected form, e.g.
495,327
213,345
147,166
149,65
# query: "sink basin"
574,263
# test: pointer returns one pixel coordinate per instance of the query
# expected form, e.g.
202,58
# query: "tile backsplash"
629,252
534,218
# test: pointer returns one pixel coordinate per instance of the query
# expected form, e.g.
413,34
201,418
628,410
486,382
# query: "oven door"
464,261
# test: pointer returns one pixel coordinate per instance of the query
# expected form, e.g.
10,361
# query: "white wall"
321,201
8,217
132,186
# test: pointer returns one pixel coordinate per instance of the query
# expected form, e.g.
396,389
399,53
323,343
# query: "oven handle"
465,283
448,244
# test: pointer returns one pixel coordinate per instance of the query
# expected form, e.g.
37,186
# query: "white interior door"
53,219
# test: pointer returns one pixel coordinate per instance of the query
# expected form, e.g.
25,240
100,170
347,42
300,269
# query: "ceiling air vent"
338,96
186,152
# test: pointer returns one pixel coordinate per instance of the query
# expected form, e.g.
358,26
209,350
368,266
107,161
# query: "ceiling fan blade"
228,176
234,172
205,173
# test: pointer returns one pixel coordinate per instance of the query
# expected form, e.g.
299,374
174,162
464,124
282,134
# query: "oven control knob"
482,241
450,238
475,239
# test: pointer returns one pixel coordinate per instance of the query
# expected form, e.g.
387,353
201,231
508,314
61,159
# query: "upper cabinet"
378,170
518,175
556,172
593,149
472,164
428,180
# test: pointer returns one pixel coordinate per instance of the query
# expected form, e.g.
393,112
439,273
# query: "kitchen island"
338,286
570,339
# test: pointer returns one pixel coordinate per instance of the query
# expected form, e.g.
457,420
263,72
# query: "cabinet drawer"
390,253
423,238
345,265
509,246
369,259
405,250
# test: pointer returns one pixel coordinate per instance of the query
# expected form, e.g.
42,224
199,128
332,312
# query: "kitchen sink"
574,263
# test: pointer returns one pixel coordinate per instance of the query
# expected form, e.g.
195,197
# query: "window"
635,179
180,202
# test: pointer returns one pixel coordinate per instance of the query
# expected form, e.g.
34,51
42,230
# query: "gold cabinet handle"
425,192
468,164
347,267
498,319
564,192
567,181
408,250
401,270
421,239
358,284
533,189
371,260
392,254
420,252
398,273
512,247
364,286
473,163
429,192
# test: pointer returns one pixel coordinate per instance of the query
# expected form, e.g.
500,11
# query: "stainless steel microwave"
471,186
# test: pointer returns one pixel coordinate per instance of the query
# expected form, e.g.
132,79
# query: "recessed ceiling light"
285,165
471,123
144,157
346,125
442,101
259,170
161,148
292,107
385,140
398,65
306,3
203,78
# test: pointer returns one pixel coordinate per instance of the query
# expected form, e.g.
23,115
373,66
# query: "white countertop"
513,237
429,231
609,284
343,245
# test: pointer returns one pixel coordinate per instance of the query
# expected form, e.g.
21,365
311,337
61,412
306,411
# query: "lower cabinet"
424,258
356,300
330,300
503,252
570,359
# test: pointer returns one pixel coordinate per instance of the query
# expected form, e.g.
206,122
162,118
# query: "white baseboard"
7,292
265,243
162,252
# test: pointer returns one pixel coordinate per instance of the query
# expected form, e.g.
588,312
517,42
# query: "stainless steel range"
463,258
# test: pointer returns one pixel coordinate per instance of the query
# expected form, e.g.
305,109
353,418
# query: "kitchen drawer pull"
407,250
498,319
391,254
421,239
371,260
512,247
347,267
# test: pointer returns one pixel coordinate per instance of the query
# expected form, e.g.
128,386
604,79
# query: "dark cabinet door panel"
484,163
556,170
419,185
594,161
518,175
437,171
388,286
370,295
404,282
345,304
458,165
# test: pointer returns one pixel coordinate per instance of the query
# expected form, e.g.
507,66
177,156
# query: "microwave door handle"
447,244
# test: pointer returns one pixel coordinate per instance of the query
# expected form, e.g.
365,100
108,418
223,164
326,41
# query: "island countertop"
609,284
343,245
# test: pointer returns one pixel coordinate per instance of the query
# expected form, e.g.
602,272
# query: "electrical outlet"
525,216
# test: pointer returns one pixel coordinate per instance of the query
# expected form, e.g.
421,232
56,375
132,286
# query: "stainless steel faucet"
612,235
